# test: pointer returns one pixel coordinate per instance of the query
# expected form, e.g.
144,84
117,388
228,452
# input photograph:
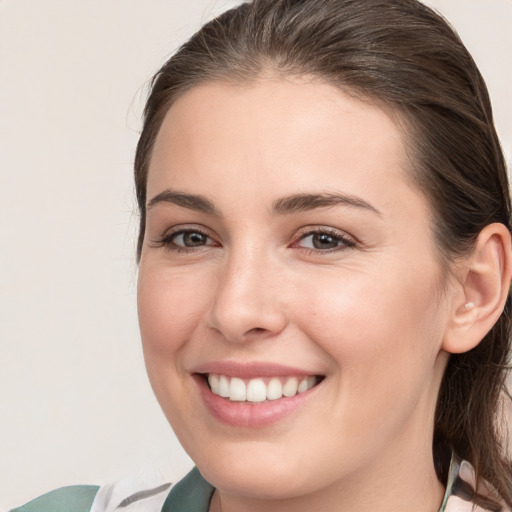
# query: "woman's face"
286,248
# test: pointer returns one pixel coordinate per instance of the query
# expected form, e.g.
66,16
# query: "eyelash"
346,242
166,240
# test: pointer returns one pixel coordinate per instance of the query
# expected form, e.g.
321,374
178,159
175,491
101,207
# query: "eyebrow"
304,202
191,201
286,205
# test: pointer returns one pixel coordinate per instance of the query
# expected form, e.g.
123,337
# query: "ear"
484,282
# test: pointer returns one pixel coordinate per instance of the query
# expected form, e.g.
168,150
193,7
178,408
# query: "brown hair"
403,54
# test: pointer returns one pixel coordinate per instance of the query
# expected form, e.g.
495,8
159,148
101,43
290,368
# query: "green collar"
191,494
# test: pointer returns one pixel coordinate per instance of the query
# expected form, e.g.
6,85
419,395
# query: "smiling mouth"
259,390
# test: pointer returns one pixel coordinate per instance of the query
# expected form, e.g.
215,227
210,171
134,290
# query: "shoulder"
147,491
152,492
77,498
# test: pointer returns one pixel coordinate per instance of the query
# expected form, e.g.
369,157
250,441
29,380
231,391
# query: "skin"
370,314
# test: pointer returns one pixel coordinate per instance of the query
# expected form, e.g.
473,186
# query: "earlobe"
484,286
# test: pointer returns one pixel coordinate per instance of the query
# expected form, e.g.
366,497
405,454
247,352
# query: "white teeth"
214,382
257,390
274,389
303,386
306,383
223,386
290,387
237,390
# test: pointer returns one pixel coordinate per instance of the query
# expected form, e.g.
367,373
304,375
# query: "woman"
325,259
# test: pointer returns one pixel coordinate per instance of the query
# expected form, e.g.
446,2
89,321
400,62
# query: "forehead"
277,133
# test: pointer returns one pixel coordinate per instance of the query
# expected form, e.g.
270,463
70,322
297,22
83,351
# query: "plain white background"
75,404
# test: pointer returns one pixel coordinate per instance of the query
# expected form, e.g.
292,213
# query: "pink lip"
250,370
245,414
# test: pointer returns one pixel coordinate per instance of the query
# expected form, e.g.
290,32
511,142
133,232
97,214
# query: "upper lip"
253,370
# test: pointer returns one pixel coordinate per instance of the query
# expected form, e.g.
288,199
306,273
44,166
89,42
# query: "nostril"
255,330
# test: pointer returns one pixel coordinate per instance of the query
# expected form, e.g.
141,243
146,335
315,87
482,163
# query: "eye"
184,240
324,240
189,239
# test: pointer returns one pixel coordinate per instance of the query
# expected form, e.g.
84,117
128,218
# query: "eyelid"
347,241
165,240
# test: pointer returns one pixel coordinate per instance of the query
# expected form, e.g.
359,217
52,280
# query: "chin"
264,470
257,480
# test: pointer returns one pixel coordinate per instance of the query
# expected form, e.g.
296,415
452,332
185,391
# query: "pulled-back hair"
403,55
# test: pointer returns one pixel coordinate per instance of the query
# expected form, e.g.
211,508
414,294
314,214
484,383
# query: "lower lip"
247,414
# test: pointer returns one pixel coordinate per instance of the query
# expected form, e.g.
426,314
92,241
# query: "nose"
248,301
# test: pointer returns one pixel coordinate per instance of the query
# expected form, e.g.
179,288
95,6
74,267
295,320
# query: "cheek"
373,322
383,337
170,305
